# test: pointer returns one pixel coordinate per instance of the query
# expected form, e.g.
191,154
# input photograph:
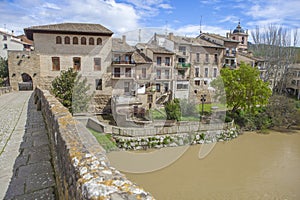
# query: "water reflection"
253,166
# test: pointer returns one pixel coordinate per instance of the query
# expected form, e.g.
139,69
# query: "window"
233,50
205,82
99,41
127,72
216,58
5,46
58,40
167,61
83,41
144,73
91,41
181,60
243,40
206,72
182,86
75,40
126,87
97,64
158,60
197,82
167,74
4,37
55,64
67,40
197,57
98,84
76,63
227,51
166,87
233,38
197,72
157,87
150,98
215,72
158,74
206,58
117,72
182,49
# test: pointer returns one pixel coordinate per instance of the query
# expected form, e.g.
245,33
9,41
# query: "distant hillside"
253,47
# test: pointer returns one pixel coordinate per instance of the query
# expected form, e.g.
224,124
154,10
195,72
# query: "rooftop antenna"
140,35
201,25
166,28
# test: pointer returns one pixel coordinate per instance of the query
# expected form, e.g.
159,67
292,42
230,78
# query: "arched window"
91,41
99,41
67,40
83,41
233,38
58,40
75,40
243,40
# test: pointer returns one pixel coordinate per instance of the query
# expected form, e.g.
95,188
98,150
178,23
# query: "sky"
182,17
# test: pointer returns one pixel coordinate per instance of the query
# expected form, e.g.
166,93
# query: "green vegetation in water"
105,140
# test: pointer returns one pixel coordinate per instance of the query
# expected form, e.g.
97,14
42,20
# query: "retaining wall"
80,172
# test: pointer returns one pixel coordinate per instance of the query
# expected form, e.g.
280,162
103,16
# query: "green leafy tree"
242,88
80,96
173,111
71,91
3,70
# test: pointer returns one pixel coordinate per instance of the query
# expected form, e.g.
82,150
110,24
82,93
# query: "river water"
253,166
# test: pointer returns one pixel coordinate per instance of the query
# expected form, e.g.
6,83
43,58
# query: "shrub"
172,109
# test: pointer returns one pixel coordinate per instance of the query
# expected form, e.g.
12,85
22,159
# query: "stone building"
293,82
83,47
240,35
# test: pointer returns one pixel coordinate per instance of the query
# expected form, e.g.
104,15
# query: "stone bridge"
46,154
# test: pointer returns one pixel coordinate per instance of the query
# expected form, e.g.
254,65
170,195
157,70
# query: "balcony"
183,65
122,62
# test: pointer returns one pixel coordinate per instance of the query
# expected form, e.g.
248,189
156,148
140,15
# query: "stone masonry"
82,170
33,174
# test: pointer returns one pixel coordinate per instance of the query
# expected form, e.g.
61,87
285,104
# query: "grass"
105,140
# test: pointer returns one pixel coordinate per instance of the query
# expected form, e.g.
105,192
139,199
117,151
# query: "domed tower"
241,35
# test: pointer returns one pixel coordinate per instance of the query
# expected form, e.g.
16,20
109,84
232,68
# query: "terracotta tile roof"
217,36
119,46
140,58
25,39
79,28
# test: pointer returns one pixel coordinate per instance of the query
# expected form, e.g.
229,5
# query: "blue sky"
178,16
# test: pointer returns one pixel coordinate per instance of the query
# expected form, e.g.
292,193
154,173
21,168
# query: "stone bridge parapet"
81,172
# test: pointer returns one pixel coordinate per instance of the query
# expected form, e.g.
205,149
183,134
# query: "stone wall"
81,173
20,62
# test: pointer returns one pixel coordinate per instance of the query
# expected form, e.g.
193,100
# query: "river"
253,166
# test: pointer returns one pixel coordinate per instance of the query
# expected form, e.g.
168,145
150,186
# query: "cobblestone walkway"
25,162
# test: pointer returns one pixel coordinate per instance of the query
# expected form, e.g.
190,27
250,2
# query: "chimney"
124,39
171,36
227,35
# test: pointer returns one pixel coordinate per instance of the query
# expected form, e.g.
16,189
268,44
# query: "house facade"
9,42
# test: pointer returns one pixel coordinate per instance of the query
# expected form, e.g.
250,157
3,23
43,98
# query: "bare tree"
276,45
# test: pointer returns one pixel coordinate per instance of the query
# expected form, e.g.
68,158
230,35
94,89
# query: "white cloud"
119,17
279,12
229,18
165,6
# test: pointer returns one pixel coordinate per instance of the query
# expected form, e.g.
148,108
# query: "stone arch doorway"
26,83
